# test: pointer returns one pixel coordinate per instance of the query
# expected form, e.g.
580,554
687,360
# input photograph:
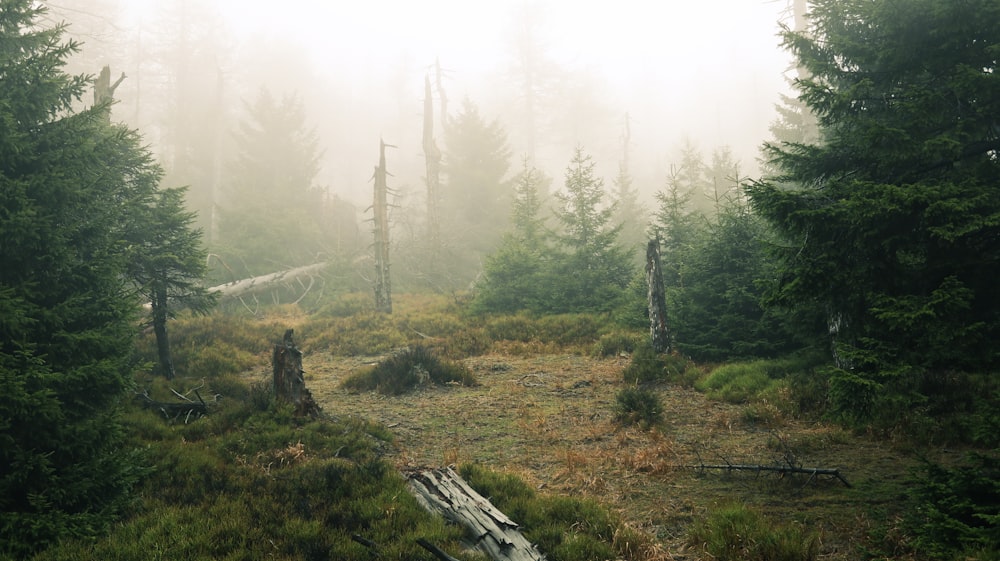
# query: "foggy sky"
708,71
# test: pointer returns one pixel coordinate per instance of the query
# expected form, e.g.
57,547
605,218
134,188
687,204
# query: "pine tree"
167,262
592,268
516,274
270,218
67,183
893,219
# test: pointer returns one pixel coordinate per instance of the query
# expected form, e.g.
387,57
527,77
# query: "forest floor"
550,420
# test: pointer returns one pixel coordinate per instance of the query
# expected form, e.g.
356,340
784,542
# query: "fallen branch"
188,408
813,472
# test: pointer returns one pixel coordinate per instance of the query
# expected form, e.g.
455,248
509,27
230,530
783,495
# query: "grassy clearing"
540,432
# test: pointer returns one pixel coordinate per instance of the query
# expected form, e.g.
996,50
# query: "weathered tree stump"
445,492
289,383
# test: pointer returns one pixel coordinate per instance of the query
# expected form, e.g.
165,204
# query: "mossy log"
444,492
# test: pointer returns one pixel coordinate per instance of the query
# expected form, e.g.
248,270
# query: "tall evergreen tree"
593,269
67,183
894,219
516,274
167,263
272,209
476,196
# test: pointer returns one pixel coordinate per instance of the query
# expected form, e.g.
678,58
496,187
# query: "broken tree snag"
812,472
380,206
658,332
444,492
289,383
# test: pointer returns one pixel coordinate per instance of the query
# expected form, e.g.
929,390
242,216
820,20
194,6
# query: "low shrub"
649,366
738,382
638,406
738,533
406,370
617,342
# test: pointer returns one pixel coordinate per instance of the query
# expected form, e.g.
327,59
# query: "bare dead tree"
380,206
432,162
658,332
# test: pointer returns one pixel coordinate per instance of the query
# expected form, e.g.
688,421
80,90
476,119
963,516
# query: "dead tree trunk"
383,285
289,383
658,332
432,162
159,306
445,492
104,91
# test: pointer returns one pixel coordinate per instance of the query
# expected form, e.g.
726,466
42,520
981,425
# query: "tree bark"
159,305
658,332
264,282
289,383
380,206
444,492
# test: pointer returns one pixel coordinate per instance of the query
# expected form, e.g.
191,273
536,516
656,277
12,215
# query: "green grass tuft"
405,371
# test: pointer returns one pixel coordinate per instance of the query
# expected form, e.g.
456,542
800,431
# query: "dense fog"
699,74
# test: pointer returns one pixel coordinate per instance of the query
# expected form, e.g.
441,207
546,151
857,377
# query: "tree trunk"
289,383
380,206
159,305
265,282
432,163
658,332
445,492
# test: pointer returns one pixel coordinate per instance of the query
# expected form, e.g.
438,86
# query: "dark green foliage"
167,263
638,406
249,484
578,268
406,370
738,533
68,183
892,218
955,511
649,366
563,528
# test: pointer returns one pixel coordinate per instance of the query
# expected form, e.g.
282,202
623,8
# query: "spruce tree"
893,218
592,267
68,181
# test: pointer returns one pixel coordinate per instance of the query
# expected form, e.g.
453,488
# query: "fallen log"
444,492
265,282
813,472
174,410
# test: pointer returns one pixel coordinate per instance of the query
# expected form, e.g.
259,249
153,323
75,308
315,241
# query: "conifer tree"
68,181
593,269
893,218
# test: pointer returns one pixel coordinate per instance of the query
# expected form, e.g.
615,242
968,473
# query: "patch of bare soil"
550,420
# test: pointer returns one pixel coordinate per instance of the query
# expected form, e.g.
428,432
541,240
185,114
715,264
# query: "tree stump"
289,383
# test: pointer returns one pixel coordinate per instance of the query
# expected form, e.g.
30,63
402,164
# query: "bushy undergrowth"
406,370
251,484
638,406
738,533
563,528
648,366
955,512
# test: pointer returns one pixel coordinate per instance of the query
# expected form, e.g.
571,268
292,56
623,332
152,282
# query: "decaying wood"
812,472
380,206
435,550
658,332
265,282
289,383
187,408
444,492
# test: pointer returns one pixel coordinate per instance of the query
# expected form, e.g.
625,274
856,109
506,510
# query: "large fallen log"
444,492
265,282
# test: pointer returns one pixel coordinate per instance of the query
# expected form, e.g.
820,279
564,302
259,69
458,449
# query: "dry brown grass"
549,420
